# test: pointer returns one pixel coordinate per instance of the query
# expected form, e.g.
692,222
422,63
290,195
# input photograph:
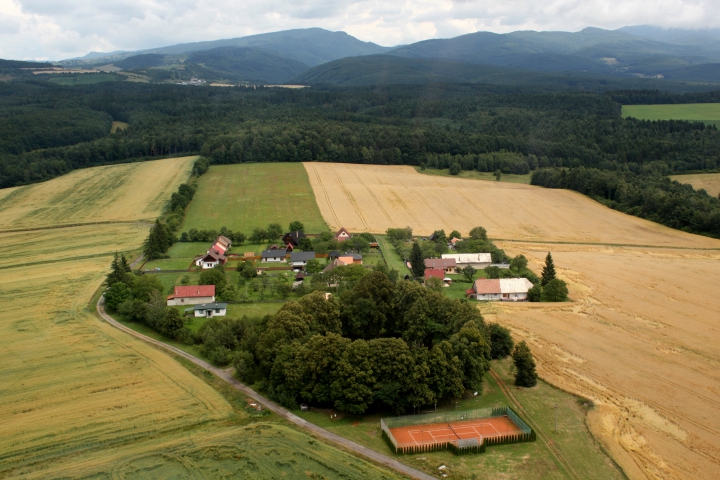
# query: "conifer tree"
548,272
157,242
417,261
119,270
525,375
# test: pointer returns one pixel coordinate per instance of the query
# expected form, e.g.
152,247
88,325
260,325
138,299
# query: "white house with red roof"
502,289
192,295
342,235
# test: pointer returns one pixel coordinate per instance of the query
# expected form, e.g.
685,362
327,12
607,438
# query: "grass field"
710,182
393,258
130,192
244,197
81,399
518,461
472,174
118,126
640,337
84,79
700,112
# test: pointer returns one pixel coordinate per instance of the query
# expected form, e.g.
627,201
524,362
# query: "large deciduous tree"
525,375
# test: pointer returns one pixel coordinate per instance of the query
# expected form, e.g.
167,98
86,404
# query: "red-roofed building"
434,273
503,289
192,295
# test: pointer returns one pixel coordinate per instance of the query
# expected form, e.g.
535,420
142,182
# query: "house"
453,241
356,257
277,255
342,235
447,265
476,260
293,238
298,260
211,259
503,289
192,295
221,245
434,273
339,262
208,310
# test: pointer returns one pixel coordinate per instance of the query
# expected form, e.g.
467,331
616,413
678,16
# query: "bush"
117,294
555,291
501,343
535,293
455,169
525,375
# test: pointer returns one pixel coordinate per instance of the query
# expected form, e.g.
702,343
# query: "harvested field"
710,182
375,198
118,193
640,338
248,196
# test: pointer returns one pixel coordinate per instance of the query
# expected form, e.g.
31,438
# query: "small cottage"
192,295
293,238
342,235
339,262
277,255
211,259
447,265
434,273
502,289
298,260
356,257
208,310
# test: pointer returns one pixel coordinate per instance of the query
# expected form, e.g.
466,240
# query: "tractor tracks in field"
84,224
327,196
272,406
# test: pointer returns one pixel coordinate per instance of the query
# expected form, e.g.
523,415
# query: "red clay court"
435,433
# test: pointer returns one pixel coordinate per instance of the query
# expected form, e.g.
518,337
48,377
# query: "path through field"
640,338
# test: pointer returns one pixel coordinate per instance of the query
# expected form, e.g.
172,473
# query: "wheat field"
118,193
640,336
710,182
81,399
375,198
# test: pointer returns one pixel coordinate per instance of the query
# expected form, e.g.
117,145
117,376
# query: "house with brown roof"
221,245
500,289
447,265
339,262
434,273
342,235
211,259
192,295
293,238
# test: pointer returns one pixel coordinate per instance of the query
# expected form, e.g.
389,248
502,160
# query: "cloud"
56,29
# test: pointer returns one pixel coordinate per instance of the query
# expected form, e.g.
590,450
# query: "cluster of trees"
379,344
202,235
652,196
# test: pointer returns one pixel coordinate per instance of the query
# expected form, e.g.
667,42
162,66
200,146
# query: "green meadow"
699,112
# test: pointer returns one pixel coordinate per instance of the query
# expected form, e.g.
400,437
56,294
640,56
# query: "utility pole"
556,417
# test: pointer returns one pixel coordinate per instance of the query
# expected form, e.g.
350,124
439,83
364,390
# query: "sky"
59,29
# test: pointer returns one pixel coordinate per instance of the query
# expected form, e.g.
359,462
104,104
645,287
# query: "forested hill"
487,128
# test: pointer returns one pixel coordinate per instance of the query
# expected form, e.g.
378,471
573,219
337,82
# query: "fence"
460,446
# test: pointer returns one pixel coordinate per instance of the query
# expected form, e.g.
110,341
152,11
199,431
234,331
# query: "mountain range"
317,56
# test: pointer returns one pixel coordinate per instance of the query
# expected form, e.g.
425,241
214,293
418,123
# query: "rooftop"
194,291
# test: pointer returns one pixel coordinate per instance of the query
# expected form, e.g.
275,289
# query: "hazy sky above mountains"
57,29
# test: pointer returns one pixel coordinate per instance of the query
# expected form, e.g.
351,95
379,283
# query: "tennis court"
454,431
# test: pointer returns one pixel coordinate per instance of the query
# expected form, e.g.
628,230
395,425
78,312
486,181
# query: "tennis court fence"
523,433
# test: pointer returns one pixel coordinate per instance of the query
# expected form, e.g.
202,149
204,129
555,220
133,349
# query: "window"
505,295
217,310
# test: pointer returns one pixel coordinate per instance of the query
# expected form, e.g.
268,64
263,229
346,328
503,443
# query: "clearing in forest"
81,399
710,182
698,112
248,196
640,336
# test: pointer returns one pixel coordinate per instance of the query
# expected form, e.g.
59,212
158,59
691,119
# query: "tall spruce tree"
157,242
417,261
548,272
525,375
119,271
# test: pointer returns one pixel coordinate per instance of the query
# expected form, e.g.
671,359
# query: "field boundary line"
555,242
540,434
272,406
72,225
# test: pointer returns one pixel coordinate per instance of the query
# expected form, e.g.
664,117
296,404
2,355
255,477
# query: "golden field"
708,181
81,399
640,337
118,193
375,198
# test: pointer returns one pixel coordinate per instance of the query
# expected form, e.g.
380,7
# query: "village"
304,269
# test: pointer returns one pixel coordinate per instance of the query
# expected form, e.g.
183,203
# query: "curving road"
337,439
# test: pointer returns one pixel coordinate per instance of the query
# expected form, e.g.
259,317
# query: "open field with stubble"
710,182
640,337
248,196
81,399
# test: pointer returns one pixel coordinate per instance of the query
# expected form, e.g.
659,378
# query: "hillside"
249,64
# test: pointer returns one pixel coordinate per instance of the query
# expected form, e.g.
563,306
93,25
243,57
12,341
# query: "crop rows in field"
640,336
118,193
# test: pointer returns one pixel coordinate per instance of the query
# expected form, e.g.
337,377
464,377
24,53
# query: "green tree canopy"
213,276
118,293
555,291
417,261
296,226
548,271
525,375
501,342
478,233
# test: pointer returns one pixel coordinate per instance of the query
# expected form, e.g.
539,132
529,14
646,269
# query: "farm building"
277,255
339,262
356,257
211,259
447,265
476,260
503,289
221,245
208,310
342,235
298,260
293,238
434,273
192,295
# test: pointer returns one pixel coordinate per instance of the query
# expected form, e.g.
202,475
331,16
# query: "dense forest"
475,127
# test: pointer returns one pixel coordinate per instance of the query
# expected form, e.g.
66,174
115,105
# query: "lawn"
391,256
524,460
248,196
701,112
475,175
